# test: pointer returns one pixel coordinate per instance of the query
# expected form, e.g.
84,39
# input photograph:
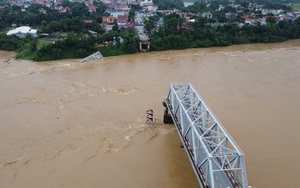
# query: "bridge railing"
215,157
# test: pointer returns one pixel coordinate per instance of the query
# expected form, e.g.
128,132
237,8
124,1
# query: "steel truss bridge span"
215,157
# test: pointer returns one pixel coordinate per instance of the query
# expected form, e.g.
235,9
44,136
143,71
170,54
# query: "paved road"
139,26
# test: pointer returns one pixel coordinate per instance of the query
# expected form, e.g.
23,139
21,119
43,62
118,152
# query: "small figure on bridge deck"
149,116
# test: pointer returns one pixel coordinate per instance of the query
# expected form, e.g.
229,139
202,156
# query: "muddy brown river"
64,124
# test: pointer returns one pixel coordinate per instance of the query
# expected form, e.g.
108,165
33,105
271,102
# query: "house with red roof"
277,18
122,20
251,21
110,5
42,10
107,20
62,9
129,24
88,21
92,8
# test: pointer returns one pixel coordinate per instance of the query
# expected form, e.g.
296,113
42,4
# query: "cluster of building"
250,18
119,10
119,5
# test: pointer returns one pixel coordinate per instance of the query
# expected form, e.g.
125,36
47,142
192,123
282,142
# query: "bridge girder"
216,158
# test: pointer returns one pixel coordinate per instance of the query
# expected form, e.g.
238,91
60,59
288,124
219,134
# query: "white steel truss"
216,158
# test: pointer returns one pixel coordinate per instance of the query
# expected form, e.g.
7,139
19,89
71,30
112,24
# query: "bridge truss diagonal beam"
216,158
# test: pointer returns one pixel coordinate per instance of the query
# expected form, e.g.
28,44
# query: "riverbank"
243,47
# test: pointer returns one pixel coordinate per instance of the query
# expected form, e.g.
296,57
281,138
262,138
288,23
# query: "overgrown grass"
295,6
111,51
42,42
26,52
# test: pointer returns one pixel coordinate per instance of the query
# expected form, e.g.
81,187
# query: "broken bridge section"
94,56
215,157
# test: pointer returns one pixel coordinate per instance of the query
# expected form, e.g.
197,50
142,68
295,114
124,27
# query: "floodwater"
64,124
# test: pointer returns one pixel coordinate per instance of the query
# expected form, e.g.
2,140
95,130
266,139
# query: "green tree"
172,23
131,15
130,41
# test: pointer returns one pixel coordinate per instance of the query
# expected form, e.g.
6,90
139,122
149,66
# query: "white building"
21,32
146,2
119,13
206,15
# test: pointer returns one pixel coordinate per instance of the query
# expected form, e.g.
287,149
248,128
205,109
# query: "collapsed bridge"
215,157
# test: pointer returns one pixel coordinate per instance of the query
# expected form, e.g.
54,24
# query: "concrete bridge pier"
144,46
167,117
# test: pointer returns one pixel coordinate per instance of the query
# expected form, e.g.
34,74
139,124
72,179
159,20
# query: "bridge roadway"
216,159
